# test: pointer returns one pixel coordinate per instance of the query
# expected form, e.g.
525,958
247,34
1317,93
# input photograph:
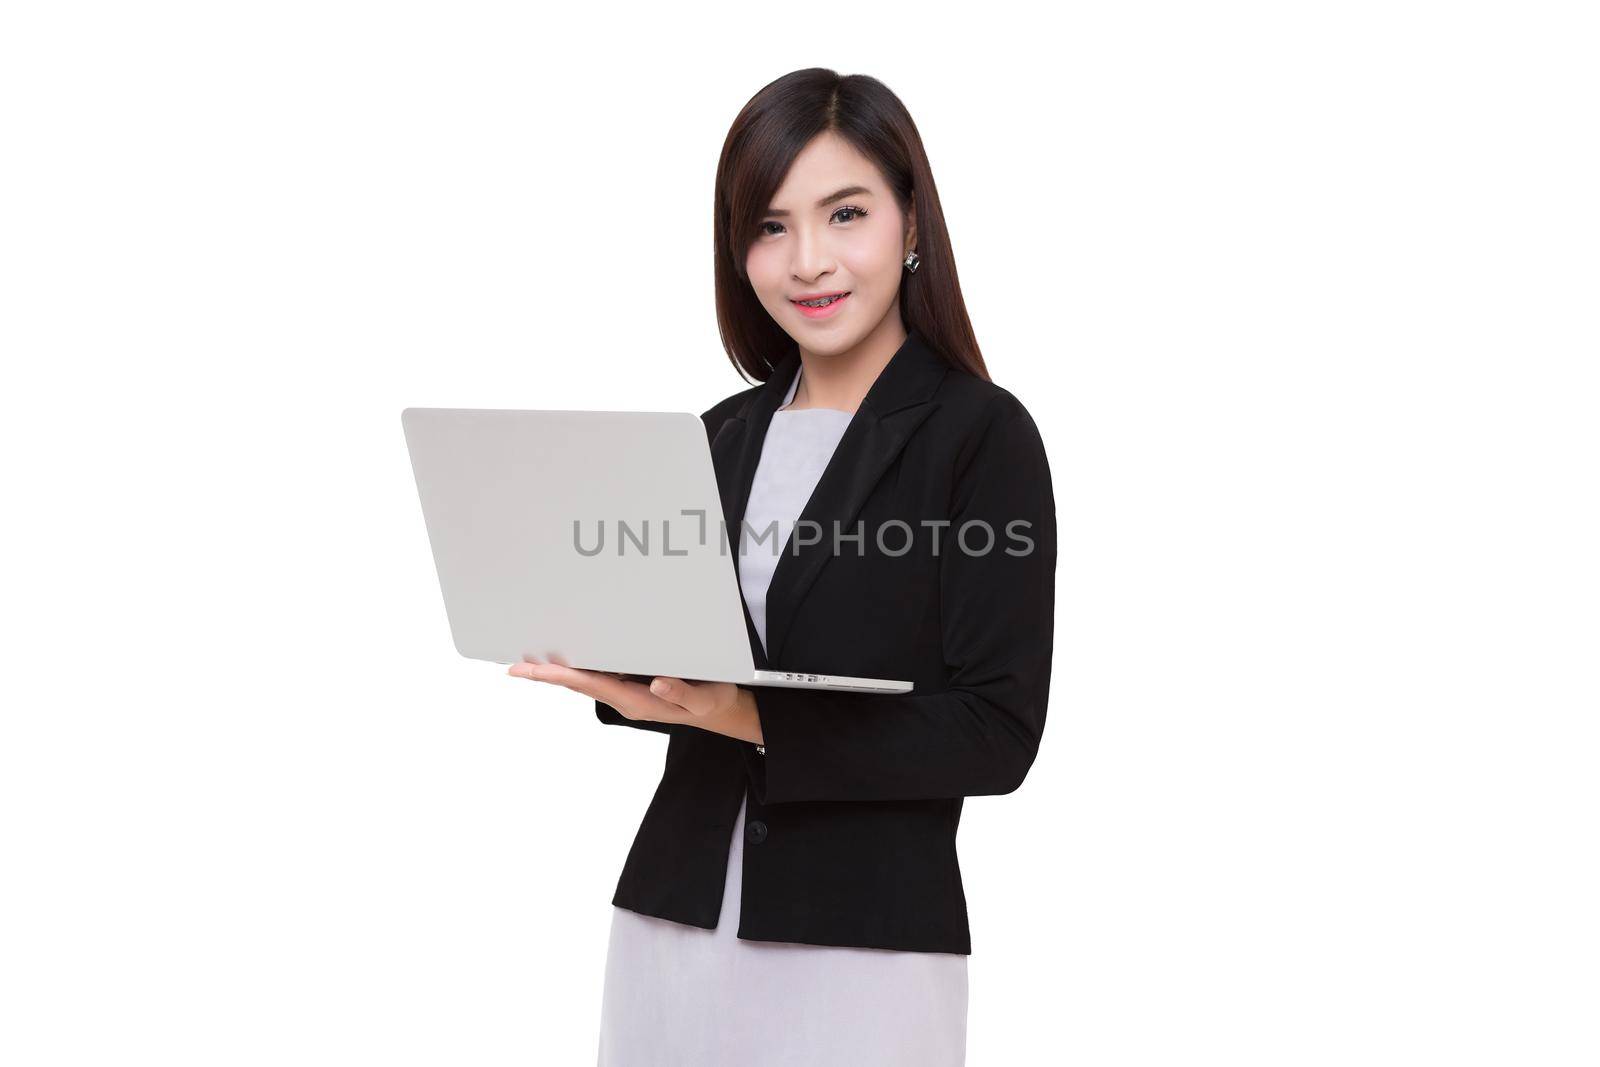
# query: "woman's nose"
812,259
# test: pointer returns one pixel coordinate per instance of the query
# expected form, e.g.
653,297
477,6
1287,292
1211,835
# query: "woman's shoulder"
967,409
978,399
974,409
719,412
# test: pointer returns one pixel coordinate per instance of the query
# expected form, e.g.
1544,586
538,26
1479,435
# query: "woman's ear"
911,225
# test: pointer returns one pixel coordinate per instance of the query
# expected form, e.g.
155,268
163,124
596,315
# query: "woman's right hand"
720,707
631,699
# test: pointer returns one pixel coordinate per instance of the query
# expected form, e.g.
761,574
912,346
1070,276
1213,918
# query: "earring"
911,261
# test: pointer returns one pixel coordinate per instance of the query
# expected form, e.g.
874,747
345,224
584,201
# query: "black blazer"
852,810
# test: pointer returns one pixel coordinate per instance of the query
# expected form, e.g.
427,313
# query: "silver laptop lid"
501,493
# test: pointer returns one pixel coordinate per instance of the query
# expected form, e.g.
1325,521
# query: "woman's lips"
823,312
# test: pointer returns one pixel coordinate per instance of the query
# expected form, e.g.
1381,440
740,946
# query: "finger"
557,674
635,697
694,699
539,672
525,670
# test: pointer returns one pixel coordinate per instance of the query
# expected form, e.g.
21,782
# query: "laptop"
595,539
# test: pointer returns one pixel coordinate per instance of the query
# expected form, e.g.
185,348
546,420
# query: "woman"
793,894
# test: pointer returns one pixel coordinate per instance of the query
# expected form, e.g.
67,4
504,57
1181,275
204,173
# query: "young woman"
793,894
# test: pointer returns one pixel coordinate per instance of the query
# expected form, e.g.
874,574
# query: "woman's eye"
854,212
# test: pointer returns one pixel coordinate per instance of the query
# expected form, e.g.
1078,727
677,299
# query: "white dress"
678,995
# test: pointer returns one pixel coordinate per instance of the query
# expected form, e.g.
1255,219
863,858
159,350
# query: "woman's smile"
825,310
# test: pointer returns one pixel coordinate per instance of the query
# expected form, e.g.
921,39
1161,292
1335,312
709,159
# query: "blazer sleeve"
612,717
979,736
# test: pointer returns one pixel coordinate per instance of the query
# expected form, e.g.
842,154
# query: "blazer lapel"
735,452
896,404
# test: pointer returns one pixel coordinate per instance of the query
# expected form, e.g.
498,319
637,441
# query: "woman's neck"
841,381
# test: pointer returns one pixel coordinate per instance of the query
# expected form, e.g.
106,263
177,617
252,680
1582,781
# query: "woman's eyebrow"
849,190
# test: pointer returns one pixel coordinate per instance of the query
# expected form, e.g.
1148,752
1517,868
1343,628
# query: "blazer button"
755,831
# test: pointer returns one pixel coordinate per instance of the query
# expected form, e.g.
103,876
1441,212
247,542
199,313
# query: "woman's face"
813,241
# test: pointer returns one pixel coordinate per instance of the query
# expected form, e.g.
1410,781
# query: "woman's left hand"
720,707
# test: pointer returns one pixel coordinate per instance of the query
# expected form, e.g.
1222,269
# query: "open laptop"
590,538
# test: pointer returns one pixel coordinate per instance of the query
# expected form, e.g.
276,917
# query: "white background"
1302,298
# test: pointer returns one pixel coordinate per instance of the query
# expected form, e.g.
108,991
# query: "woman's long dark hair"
771,130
